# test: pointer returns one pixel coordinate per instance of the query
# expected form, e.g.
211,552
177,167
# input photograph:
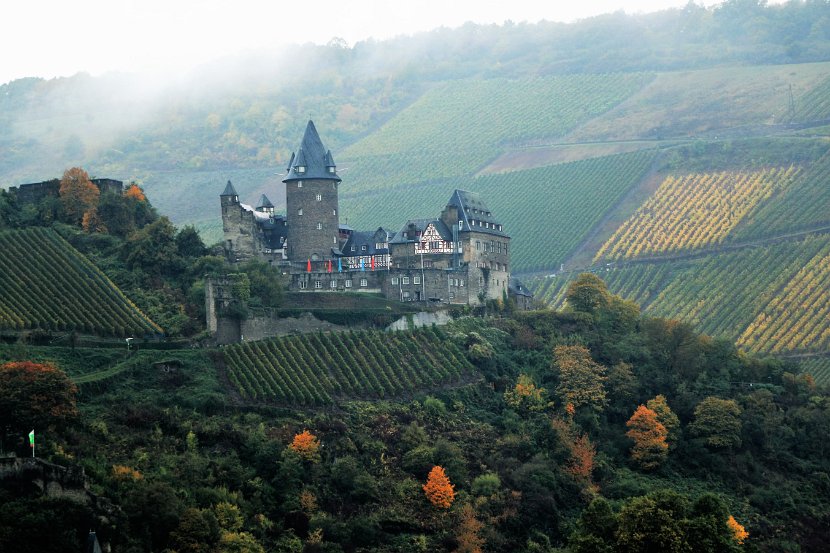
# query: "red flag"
373,262
329,265
308,267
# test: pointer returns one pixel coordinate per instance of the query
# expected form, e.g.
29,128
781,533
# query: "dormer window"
460,225
301,168
363,248
331,169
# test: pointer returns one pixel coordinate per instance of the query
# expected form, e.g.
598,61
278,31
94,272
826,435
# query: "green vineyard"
814,105
818,367
803,205
45,283
314,369
456,127
569,197
769,299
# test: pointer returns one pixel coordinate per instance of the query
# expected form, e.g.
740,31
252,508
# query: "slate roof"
472,209
264,202
515,286
419,226
368,238
314,157
229,190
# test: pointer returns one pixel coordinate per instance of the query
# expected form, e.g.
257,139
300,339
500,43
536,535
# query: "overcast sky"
49,38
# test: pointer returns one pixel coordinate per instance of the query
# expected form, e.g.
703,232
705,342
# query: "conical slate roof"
264,202
312,160
229,190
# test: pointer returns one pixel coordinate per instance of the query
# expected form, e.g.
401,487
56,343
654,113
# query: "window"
352,248
461,282
300,211
363,248
395,281
478,245
301,168
319,197
299,184
348,283
416,280
319,226
334,212
472,222
405,280
406,295
460,225
364,282
302,285
331,168
498,246
318,283
333,283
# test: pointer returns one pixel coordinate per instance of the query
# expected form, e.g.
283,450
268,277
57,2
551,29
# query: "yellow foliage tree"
738,531
77,193
469,528
526,395
438,489
306,445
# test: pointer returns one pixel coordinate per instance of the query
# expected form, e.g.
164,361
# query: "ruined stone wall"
239,231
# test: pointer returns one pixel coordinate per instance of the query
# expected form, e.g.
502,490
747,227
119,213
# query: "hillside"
46,284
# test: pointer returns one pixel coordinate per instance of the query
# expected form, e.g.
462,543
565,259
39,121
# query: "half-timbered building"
459,257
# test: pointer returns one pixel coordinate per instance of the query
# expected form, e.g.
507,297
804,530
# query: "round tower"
311,200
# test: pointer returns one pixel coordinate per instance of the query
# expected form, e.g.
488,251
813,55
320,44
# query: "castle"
460,257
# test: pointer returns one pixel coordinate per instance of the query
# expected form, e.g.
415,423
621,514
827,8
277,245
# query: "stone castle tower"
239,238
311,200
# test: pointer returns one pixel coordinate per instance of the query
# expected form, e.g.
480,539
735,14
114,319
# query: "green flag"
32,439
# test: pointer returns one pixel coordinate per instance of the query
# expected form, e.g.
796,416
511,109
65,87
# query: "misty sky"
50,38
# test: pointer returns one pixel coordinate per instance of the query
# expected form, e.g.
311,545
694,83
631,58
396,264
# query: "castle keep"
460,257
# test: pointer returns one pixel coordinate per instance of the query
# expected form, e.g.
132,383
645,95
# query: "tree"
739,533
135,192
525,395
717,422
78,194
581,379
34,395
666,417
650,448
653,523
469,540
189,243
438,489
306,445
153,248
588,294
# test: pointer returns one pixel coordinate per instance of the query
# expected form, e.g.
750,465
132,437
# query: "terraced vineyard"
322,368
818,367
45,283
796,318
771,299
457,126
693,211
803,205
814,105
569,197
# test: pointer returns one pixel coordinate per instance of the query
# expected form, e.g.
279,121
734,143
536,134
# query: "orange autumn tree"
78,194
135,192
579,446
306,445
650,448
438,489
739,533
469,529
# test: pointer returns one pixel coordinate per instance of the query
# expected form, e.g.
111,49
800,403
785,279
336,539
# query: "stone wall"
421,319
259,328
238,228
